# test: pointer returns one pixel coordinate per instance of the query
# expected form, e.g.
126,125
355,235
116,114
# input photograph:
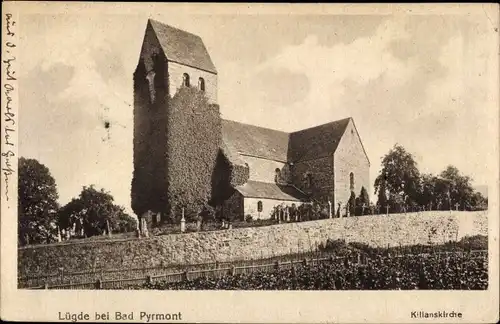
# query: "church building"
323,164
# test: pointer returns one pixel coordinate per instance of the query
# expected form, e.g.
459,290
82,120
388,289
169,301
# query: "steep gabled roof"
182,47
316,142
257,189
256,141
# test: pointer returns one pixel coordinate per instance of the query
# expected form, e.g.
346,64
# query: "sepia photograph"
169,148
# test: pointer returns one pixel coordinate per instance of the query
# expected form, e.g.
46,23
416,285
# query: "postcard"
254,163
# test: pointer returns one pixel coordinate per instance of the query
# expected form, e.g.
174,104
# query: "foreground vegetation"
464,272
458,266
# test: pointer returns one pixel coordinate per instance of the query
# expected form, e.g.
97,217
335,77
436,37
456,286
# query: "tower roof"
182,47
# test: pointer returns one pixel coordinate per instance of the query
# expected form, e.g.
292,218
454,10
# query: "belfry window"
185,80
201,84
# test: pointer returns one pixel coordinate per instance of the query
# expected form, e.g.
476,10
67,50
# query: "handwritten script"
9,89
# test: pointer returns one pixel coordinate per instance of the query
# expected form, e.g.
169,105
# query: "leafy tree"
362,200
458,186
382,195
428,186
479,202
396,203
70,214
399,175
37,203
123,223
433,192
95,210
352,204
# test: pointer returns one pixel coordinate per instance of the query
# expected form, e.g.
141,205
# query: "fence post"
359,258
277,265
305,262
185,275
233,270
98,284
149,280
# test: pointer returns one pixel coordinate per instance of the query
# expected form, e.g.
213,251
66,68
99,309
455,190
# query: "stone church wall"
226,245
267,207
262,169
176,71
321,170
350,157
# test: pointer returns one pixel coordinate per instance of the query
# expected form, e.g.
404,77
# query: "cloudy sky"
428,82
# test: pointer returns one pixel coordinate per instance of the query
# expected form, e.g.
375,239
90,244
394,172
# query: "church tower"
170,59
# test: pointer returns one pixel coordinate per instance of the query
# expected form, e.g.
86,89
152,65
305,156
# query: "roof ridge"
170,26
322,125
182,47
300,130
256,126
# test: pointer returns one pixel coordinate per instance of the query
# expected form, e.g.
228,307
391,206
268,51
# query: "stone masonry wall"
321,170
226,245
176,71
263,170
350,157
267,206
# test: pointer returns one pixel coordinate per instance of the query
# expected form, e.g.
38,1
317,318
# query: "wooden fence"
123,279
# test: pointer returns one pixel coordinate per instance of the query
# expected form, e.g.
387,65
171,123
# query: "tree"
428,186
352,204
362,202
458,187
37,203
123,222
95,210
71,215
382,195
479,202
399,176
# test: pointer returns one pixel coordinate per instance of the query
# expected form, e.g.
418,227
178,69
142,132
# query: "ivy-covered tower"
175,90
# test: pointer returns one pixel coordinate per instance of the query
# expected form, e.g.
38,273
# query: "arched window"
185,80
259,206
351,181
277,175
151,82
308,180
201,84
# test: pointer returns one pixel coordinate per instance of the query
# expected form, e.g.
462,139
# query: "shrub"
248,218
